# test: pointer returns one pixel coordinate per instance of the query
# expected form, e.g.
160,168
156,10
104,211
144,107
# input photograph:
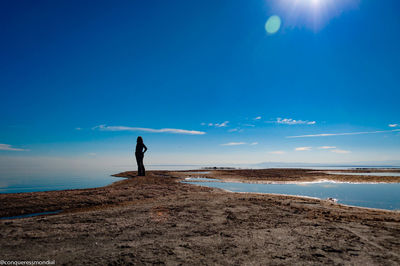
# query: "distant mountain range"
362,164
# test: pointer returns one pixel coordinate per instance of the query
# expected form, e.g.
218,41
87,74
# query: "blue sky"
82,79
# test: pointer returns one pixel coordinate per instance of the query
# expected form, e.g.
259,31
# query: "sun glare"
311,13
309,2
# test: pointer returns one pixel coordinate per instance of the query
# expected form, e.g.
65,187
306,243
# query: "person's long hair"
139,140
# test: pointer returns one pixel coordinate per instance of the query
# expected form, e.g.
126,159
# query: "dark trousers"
139,160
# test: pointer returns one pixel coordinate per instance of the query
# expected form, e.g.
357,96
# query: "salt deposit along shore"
158,219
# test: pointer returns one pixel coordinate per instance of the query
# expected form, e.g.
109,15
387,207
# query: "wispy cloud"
236,129
7,147
302,149
393,125
340,151
248,125
223,124
233,143
151,130
78,128
239,143
277,152
257,118
327,147
343,134
290,121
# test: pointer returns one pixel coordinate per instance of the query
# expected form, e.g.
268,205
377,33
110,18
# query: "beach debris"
333,200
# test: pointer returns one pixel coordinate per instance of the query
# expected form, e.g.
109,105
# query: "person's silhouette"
139,153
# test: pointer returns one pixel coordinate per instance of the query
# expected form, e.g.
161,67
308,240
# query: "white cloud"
290,121
340,151
334,149
233,143
223,124
78,128
343,134
277,152
258,118
254,143
7,147
151,130
393,125
302,149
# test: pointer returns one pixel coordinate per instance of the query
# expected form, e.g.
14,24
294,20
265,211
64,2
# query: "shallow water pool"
29,215
380,196
201,179
367,174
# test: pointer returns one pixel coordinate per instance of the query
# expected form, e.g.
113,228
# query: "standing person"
139,153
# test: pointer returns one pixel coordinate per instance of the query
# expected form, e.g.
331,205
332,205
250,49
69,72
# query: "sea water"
30,179
17,183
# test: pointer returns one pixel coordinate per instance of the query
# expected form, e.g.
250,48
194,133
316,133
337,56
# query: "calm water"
197,173
380,196
368,174
30,180
54,181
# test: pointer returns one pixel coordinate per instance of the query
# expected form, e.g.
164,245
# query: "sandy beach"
158,220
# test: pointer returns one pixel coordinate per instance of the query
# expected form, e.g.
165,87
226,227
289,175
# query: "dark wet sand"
156,219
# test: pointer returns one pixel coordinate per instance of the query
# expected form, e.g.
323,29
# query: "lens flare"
273,24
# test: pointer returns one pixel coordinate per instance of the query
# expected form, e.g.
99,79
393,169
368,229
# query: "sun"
311,13
310,3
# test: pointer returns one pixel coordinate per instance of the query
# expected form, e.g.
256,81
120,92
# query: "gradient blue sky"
82,79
